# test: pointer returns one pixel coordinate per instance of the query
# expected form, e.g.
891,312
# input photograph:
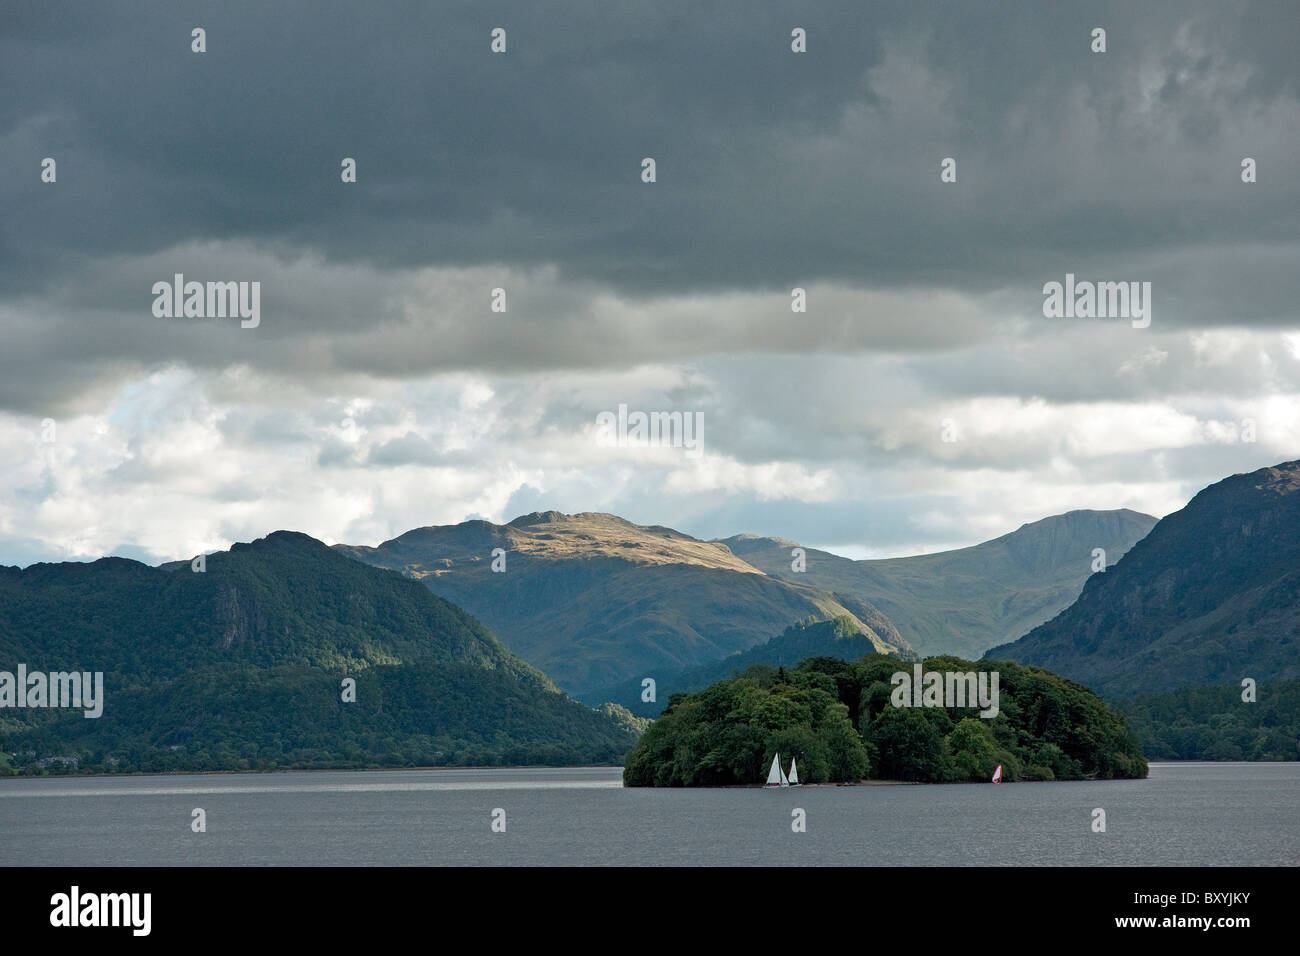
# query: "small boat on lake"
776,776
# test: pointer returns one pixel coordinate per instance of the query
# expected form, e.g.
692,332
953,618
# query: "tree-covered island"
841,720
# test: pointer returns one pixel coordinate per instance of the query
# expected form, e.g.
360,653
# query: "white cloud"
187,460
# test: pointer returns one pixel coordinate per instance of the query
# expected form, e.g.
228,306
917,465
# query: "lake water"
1228,814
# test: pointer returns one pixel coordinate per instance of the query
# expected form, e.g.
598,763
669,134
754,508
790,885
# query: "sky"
923,401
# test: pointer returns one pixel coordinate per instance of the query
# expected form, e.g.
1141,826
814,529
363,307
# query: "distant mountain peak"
583,518
966,600
1284,479
741,543
279,540
536,518
555,536
593,598
1208,595
1084,515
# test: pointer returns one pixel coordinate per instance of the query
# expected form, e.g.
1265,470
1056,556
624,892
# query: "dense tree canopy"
1217,723
241,667
835,717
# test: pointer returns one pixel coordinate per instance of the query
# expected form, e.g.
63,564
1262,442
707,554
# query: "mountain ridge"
240,667
965,600
593,599
1212,594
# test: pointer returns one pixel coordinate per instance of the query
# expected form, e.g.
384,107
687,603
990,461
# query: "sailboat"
997,774
776,776
794,774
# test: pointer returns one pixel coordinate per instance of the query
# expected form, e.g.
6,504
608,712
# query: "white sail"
794,774
784,782
774,776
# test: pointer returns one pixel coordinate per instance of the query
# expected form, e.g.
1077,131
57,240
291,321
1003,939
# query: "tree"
909,746
972,746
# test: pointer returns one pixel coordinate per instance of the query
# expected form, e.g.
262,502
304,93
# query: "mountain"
968,600
838,638
1211,595
242,666
593,599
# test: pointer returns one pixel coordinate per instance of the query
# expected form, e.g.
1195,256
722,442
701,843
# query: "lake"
1215,814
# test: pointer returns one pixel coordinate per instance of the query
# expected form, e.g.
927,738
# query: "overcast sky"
380,392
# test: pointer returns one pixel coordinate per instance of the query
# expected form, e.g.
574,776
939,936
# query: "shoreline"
746,786
575,767
208,773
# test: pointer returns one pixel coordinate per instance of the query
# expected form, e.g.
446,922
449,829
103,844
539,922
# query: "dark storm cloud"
533,157
774,170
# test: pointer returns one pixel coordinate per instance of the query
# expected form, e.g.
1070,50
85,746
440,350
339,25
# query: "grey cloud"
775,170
532,157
